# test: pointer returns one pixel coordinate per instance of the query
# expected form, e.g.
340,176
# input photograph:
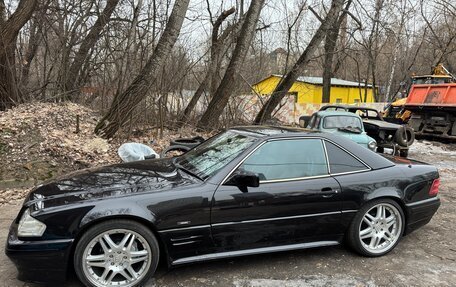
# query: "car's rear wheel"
116,253
377,228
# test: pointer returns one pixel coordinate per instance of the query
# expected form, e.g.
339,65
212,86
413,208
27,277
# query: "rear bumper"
38,261
420,213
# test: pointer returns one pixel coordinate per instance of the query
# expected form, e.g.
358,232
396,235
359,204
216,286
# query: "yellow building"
310,90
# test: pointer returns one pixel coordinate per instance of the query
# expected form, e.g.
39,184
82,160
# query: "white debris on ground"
442,156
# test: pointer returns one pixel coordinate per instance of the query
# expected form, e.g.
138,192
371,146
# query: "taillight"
434,187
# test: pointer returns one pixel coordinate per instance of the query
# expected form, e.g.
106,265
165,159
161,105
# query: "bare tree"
226,87
217,43
9,29
124,103
398,35
72,78
329,48
443,40
285,84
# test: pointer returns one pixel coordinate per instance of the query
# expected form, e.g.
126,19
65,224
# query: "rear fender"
389,192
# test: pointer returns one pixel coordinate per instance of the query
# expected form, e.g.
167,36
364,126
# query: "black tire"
113,225
180,148
188,142
380,149
403,152
353,234
405,136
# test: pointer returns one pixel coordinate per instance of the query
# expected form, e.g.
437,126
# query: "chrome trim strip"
185,238
350,172
253,251
185,243
295,178
276,218
424,201
184,228
349,211
326,155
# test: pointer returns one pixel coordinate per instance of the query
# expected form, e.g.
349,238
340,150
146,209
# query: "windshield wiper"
188,171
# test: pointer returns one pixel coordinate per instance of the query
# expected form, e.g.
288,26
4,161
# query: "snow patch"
431,148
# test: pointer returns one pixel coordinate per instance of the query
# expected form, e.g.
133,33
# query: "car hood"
154,175
361,138
382,124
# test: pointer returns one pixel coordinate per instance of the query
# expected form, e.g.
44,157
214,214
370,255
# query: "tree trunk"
72,79
124,103
194,100
330,47
216,48
228,83
32,47
9,29
285,84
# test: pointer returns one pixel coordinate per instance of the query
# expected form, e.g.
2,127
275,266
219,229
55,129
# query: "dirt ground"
426,257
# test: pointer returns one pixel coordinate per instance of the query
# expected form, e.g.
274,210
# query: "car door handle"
328,191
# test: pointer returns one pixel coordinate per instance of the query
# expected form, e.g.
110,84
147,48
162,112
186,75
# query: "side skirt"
262,250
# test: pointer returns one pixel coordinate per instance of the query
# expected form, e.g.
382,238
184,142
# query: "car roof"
348,107
269,131
374,160
326,113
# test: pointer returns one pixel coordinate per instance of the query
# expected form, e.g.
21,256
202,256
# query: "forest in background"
128,58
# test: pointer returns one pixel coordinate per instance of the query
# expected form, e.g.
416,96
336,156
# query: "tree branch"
219,22
316,14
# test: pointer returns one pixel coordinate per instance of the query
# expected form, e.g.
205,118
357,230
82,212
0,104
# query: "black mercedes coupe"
247,190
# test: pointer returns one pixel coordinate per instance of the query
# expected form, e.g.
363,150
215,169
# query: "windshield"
334,122
208,158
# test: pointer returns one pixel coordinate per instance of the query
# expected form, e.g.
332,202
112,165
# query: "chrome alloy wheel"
380,228
117,257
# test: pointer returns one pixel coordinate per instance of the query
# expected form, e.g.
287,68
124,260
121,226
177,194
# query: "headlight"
29,226
372,145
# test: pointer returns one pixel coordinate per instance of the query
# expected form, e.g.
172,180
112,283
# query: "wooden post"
77,124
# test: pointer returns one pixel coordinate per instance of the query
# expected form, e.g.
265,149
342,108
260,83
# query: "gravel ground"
426,257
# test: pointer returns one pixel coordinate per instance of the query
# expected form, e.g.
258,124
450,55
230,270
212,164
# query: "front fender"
111,210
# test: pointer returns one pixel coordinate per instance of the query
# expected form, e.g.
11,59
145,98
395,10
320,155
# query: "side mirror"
243,178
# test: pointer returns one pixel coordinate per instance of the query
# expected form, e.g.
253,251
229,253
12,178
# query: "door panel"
276,213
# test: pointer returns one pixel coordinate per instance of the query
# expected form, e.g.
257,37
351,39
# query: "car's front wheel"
377,228
116,253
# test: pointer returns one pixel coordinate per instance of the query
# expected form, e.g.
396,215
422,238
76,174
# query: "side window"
340,161
288,159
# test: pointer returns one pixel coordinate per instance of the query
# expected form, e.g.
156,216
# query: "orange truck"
432,103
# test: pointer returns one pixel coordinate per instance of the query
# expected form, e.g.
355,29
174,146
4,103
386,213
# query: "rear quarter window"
342,162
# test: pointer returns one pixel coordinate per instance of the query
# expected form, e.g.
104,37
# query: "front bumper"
420,213
41,261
